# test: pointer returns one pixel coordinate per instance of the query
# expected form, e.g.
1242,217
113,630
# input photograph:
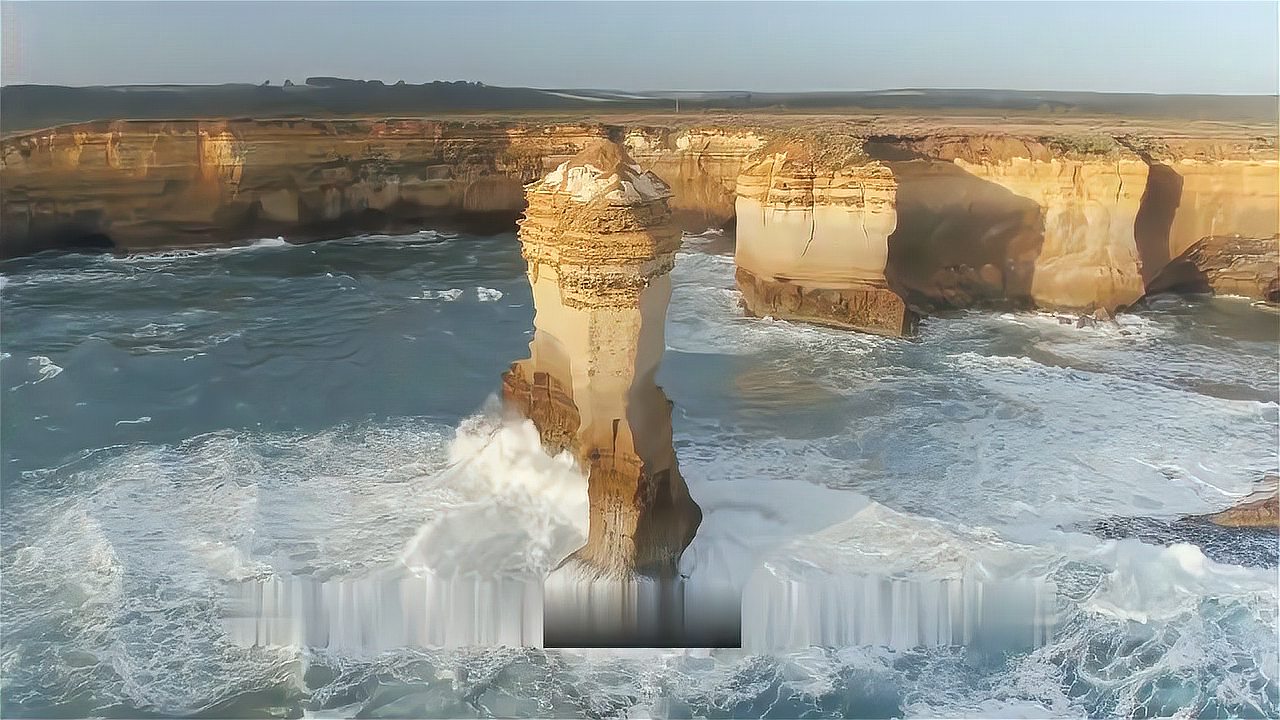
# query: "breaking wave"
935,486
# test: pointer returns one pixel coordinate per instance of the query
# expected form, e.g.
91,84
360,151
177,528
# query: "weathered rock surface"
1006,220
812,238
149,184
1203,188
1225,265
600,245
867,309
1074,222
1260,509
701,165
142,184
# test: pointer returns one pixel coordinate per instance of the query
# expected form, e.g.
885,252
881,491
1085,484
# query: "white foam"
161,256
446,295
1151,584
484,294
516,509
886,578
47,369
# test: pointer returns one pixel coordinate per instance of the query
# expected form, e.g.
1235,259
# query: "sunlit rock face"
813,228
1210,217
599,243
1003,220
143,184
700,164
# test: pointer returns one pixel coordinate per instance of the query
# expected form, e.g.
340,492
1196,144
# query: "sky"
1178,47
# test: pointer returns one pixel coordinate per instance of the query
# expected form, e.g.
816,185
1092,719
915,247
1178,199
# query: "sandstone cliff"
1063,222
701,165
1007,216
1006,220
812,237
149,184
140,184
599,242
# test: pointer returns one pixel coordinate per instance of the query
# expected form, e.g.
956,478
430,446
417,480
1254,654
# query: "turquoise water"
178,423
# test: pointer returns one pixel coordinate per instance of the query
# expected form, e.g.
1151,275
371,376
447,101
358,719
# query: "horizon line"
651,91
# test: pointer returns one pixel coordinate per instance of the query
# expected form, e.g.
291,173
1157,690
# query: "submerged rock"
1261,509
1245,534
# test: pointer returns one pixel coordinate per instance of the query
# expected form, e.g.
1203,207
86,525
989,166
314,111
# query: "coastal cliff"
600,245
1079,220
813,225
1015,221
700,165
1064,222
152,184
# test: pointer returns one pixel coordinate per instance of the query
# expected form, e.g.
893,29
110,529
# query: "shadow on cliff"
82,232
961,241
1152,228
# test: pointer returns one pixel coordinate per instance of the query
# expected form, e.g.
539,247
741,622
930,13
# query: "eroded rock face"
1003,220
1074,222
1070,223
812,238
600,245
1204,188
1225,265
701,165
151,184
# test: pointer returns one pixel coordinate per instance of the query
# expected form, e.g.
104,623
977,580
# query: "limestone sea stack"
599,243
813,224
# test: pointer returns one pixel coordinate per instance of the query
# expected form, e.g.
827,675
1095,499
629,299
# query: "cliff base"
870,309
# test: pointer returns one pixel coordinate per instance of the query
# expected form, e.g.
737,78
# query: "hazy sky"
1212,47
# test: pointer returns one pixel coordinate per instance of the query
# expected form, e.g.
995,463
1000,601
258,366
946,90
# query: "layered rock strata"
1078,221
1071,222
812,238
149,184
144,184
600,245
701,165
1224,265
1011,221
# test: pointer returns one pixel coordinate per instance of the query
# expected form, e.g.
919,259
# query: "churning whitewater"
276,479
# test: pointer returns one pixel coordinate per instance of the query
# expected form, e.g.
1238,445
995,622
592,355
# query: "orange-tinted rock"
599,242
152,183
600,245
868,309
1261,509
1225,265
812,238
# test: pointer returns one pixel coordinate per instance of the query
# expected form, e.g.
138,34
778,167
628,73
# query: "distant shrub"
1089,145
